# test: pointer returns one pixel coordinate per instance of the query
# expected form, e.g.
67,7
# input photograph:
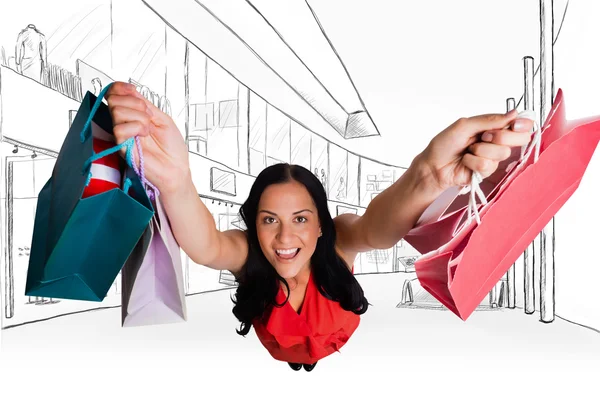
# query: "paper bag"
440,221
463,271
152,278
79,245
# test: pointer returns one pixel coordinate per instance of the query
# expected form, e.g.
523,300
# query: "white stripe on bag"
105,173
100,133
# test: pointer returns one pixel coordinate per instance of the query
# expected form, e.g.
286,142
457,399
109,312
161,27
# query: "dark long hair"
259,282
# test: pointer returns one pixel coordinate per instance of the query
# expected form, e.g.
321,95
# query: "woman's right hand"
166,161
166,165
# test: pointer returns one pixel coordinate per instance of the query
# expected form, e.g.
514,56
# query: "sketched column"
176,79
9,279
510,275
546,249
528,255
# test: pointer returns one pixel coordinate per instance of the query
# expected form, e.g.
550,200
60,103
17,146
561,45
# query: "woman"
294,263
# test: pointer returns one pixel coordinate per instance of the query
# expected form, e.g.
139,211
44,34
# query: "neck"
301,278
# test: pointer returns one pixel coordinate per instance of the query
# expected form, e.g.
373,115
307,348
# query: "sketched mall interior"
232,134
242,98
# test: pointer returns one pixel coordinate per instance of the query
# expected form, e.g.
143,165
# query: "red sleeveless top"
320,328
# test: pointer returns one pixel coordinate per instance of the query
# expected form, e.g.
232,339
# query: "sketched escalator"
227,278
415,296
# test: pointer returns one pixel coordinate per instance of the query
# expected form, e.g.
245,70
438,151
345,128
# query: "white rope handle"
476,177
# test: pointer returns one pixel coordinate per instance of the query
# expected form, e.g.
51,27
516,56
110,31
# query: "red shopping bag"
440,222
462,271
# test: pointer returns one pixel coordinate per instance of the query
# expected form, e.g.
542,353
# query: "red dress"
320,328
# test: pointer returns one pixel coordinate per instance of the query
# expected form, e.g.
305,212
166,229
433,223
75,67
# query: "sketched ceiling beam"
255,50
299,29
29,147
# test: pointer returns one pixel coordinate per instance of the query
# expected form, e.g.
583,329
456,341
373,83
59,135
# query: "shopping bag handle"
95,108
474,190
152,190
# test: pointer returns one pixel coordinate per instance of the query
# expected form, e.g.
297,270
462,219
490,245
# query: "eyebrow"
297,212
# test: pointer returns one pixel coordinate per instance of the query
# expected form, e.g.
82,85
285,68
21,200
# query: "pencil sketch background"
354,103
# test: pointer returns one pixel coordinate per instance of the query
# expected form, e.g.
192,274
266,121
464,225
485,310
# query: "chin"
287,271
287,274
290,268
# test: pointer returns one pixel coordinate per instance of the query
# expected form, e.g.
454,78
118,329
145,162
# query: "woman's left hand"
477,143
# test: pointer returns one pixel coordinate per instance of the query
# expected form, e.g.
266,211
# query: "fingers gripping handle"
151,190
476,178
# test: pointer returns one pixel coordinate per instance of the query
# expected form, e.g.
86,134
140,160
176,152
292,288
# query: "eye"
268,220
301,219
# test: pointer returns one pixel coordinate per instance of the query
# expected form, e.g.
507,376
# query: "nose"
285,233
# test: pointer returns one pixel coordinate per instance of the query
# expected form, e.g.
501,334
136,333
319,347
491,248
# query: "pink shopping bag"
462,271
439,222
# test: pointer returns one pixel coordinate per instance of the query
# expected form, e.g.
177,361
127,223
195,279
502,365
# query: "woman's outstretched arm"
390,215
195,230
166,164
449,160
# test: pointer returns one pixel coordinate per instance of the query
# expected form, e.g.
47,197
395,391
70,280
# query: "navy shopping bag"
79,245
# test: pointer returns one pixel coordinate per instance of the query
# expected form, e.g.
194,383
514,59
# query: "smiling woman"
294,262
292,245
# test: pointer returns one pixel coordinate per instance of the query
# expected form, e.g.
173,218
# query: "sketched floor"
396,353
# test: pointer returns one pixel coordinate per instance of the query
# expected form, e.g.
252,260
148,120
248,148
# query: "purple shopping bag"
152,278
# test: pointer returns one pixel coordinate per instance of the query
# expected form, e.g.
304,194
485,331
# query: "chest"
307,311
297,297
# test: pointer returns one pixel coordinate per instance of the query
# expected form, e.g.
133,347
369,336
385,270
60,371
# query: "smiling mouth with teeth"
287,254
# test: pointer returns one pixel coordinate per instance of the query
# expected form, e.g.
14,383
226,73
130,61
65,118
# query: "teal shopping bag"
79,245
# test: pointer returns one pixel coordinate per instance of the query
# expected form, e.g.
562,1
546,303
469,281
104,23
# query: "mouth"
286,254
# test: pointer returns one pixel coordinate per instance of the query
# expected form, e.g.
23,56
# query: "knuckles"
118,112
119,88
133,128
482,164
461,123
140,104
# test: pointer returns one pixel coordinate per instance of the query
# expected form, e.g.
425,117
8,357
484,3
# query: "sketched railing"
496,299
227,278
62,80
407,293
162,102
3,58
378,256
408,263
53,76
498,295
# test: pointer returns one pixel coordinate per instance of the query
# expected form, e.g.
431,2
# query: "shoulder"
237,239
348,258
237,235
342,225
345,219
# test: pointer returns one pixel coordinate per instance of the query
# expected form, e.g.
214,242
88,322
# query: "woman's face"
288,227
